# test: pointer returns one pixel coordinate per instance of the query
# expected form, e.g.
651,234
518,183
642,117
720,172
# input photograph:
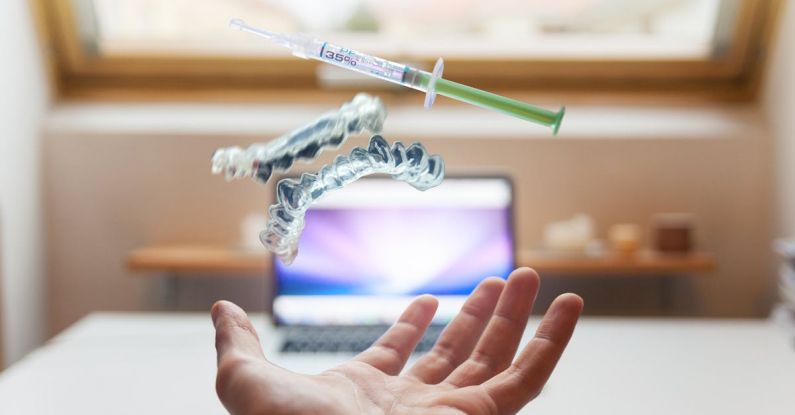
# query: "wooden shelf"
222,262
211,259
642,263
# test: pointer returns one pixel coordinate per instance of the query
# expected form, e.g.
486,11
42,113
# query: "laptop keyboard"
344,339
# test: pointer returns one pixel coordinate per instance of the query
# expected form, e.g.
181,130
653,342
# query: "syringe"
431,83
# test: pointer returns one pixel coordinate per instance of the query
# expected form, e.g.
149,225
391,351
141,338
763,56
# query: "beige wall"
107,194
780,104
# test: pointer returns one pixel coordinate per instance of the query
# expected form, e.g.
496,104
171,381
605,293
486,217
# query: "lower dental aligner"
259,161
412,165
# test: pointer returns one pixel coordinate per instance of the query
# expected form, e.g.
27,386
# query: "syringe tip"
238,24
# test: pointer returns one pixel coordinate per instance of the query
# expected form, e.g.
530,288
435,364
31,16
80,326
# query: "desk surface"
137,363
222,261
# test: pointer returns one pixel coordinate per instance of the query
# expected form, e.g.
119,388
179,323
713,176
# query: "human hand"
470,370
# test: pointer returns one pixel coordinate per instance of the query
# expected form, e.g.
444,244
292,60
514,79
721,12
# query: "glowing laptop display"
369,248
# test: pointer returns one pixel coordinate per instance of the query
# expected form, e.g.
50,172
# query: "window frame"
79,74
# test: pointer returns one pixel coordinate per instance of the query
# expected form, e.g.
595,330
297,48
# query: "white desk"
112,363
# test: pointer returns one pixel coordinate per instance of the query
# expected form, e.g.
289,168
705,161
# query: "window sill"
408,122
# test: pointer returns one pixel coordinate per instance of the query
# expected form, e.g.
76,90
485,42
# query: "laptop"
368,249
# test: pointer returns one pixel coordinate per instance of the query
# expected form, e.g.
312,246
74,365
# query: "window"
706,46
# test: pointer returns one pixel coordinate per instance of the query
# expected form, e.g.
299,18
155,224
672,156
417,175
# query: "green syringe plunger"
434,84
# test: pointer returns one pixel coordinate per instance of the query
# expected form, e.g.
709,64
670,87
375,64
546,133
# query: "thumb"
235,336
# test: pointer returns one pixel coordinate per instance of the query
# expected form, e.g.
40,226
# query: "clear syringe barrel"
307,47
370,65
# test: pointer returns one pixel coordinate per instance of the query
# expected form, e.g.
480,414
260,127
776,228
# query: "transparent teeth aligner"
260,160
412,165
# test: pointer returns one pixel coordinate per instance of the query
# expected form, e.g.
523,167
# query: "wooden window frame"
78,74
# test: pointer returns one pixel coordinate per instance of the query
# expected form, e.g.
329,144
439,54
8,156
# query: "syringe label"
351,59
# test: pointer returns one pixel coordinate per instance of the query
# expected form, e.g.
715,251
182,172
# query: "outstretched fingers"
496,348
391,351
459,338
525,378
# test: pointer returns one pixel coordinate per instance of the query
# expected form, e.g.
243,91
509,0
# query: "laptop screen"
368,249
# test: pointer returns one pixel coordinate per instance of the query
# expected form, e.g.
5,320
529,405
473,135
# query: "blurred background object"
784,312
250,228
625,238
786,285
673,233
786,249
571,235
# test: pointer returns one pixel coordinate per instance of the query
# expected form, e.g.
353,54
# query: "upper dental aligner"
259,161
412,165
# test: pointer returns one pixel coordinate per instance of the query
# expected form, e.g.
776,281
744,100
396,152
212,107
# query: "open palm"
470,370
